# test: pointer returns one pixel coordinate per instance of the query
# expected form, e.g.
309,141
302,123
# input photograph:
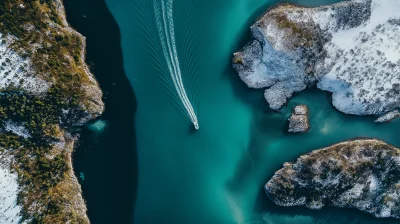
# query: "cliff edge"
350,49
46,93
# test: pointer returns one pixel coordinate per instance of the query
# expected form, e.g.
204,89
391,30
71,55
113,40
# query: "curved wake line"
166,31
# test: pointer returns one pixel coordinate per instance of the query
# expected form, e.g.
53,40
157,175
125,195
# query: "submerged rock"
298,122
349,48
388,116
362,174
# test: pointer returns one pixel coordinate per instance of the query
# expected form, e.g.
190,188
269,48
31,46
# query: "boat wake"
166,31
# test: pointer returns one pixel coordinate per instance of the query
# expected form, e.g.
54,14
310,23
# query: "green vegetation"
13,16
237,59
300,32
348,175
56,58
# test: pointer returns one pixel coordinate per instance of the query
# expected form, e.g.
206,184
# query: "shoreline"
295,47
40,130
104,171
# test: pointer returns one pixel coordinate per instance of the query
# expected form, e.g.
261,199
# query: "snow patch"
358,59
364,62
388,116
15,71
10,212
16,128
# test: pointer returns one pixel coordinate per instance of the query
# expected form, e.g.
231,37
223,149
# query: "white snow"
301,110
372,188
16,128
353,193
266,64
362,62
298,121
15,71
388,116
385,212
374,183
315,204
9,210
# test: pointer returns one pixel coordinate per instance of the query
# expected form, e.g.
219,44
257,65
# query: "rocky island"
46,93
298,121
350,49
388,116
362,174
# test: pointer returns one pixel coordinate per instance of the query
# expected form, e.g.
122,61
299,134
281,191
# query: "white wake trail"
168,44
175,74
179,77
163,45
171,60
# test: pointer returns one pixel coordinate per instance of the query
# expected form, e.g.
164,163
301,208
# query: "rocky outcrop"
349,48
362,174
388,116
46,93
298,121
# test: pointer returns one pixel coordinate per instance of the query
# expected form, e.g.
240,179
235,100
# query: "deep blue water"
166,172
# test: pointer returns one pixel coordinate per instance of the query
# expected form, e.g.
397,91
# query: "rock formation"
350,49
298,121
46,93
388,116
362,174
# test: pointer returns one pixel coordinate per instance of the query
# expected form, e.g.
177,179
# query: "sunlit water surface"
216,174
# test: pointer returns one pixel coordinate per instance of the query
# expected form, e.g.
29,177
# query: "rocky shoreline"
54,95
388,117
348,48
362,174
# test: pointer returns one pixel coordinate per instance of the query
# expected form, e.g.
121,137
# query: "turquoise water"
216,174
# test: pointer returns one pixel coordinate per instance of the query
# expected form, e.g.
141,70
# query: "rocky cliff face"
46,93
362,174
349,48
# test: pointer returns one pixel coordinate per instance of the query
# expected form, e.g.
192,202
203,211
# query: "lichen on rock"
348,48
362,174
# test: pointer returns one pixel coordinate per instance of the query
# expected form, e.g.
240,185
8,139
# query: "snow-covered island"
46,93
362,174
350,48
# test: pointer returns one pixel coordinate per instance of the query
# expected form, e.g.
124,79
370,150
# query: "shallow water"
216,174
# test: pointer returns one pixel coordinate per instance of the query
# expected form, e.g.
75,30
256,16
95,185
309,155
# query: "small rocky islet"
351,50
298,121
